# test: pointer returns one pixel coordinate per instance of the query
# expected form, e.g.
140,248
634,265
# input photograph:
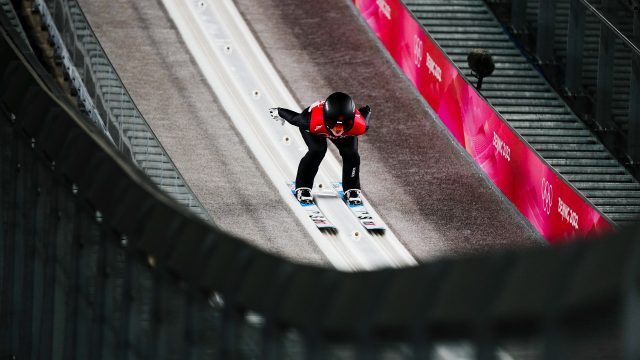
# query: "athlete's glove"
366,113
273,112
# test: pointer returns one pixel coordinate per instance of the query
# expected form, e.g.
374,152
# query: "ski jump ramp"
247,85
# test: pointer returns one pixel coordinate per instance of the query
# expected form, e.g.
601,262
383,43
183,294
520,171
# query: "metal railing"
96,262
87,101
103,97
7,7
589,50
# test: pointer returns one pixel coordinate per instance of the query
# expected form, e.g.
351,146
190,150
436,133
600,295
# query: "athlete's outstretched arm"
301,120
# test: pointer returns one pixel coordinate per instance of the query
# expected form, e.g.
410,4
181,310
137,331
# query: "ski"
360,211
313,212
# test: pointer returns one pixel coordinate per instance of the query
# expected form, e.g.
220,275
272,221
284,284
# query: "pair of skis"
359,210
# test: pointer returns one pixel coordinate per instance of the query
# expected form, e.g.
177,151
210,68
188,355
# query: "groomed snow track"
247,85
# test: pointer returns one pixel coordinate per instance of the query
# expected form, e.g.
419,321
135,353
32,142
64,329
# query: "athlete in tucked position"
337,119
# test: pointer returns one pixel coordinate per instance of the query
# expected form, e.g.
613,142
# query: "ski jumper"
315,134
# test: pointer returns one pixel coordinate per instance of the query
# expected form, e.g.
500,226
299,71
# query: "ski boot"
303,195
353,196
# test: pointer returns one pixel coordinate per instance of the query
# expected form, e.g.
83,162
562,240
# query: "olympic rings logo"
547,196
417,50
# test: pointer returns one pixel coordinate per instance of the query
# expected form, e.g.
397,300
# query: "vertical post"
633,137
100,281
61,296
40,255
51,210
69,258
575,45
83,286
8,216
124,336
604,93
30,223
19,253
518,16
546,31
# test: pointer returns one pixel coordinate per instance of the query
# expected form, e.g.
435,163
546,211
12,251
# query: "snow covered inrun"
247,85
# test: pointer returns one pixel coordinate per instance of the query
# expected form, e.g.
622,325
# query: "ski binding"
360,211
313,211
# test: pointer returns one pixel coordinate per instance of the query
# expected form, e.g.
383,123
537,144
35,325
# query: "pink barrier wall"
554,208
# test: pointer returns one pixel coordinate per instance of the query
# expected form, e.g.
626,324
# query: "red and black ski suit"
314,132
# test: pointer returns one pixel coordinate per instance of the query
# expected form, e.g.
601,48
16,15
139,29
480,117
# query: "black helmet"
339,112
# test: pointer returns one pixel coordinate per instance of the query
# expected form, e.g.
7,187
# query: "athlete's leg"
310,162
348,148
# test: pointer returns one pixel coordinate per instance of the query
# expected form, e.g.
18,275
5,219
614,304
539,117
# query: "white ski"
360,211
313,211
